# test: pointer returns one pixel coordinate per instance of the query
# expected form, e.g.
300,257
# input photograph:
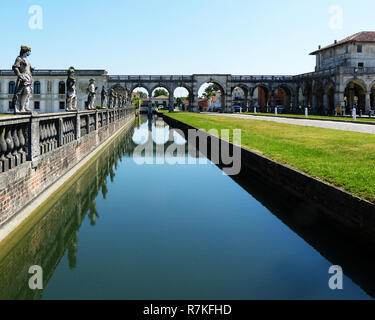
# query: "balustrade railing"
14,143
25,138
48,137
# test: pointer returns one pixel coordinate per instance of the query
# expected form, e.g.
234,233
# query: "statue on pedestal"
91,91
104,97
111,99
23,90
71,92
115,99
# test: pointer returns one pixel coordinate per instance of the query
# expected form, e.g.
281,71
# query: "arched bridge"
226,82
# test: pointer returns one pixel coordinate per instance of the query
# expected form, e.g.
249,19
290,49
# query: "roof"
364,36
160,98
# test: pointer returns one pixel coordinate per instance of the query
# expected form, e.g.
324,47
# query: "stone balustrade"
26,137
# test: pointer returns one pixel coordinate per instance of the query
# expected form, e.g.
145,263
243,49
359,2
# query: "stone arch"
190,95
140,85
329,99
161,85
371,91
222,95
261,96
241,99
318,97
355,95
284,95
356,81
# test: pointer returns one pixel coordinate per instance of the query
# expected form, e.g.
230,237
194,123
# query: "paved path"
354,127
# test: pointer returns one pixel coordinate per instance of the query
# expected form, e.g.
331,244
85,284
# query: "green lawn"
312,117
345,159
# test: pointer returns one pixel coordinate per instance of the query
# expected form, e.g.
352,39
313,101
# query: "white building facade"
49,89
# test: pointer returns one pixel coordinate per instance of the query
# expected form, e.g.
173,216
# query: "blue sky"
178,37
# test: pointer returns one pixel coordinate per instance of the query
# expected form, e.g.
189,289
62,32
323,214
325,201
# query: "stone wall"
45,158
355,215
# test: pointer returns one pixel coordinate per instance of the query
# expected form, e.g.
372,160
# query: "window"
36,105
361,65
359,48
12,87
37,87
347,49
11,105
62,105
61,87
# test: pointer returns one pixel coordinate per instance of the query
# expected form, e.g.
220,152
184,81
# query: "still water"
127,231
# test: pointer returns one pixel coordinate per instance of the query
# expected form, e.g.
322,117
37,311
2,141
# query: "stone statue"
23,90
111,99
91,91
71,92
115,104
104,97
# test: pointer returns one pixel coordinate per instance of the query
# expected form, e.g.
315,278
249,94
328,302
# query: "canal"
121,230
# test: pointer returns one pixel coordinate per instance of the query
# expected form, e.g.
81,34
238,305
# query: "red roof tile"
364,36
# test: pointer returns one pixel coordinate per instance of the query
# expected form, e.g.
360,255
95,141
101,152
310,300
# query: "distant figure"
23,90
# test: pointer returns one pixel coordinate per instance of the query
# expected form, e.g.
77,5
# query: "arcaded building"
344,77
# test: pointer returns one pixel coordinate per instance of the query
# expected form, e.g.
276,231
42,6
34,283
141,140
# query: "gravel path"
363,128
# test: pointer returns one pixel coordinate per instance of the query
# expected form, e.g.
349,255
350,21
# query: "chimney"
320,47
335,41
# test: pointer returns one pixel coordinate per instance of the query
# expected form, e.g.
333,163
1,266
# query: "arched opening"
240,96
318,103
211,97
372,99
307,95
11,87
329,104
161,98
183,97
300,101
36,87
283,98
261,98
61,87
355,95
140,98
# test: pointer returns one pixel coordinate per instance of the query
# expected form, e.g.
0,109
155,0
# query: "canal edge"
348,210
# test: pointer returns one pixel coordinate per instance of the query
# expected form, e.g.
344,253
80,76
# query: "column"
314,102
171,102
368,102
325,103
272,98
150,105
227,108
339,99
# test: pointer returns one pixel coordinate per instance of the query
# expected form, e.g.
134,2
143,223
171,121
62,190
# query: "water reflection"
56,232
59,235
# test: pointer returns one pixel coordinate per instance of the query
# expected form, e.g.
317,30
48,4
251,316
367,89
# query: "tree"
142,94
211,90
160,92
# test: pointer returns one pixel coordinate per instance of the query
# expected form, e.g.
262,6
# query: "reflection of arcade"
56,230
